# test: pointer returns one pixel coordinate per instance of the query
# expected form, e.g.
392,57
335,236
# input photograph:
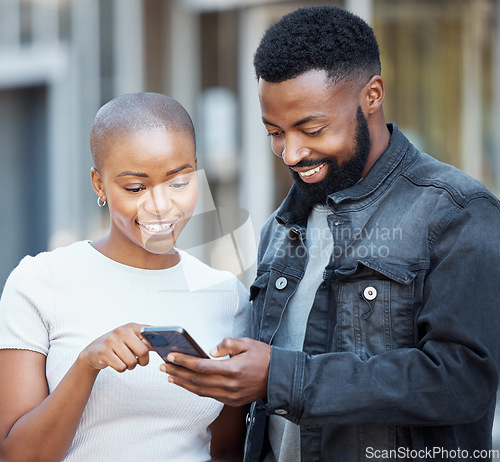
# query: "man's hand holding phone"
235,381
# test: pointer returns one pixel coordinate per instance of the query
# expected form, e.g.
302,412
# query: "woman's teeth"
312,171
157,227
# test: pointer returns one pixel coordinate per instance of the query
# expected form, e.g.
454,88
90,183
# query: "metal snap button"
281,411
370,293
281,283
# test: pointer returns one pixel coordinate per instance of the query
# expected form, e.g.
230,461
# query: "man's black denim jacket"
400,357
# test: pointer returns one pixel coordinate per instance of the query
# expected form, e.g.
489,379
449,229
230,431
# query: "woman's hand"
121,349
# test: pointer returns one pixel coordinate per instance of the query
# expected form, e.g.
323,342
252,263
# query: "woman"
69,386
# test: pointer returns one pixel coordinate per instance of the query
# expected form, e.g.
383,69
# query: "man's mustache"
314,162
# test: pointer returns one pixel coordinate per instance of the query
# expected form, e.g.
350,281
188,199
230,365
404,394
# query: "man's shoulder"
427,171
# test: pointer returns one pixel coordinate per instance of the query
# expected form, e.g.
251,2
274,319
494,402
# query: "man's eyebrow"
266,122
300,122
310,118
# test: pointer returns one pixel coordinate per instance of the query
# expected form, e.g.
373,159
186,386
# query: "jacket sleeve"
449,377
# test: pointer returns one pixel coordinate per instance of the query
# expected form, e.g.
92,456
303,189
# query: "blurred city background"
60,60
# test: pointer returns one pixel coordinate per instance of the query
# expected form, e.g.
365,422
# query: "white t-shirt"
58,302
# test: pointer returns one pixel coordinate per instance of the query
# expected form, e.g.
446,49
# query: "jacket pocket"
375,303
257,296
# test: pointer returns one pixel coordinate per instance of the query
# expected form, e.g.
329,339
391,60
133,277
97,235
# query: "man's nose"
293,151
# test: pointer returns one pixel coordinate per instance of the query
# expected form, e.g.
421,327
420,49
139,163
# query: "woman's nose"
158,200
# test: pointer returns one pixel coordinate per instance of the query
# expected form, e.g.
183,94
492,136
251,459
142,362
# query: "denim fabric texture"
401,354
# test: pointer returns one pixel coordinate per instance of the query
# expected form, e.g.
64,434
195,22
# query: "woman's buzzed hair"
137,111
323,37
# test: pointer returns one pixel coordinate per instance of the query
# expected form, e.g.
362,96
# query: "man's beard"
338,177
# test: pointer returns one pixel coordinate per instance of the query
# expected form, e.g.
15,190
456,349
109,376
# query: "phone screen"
172,339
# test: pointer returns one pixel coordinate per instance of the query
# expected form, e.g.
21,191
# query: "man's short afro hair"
322,37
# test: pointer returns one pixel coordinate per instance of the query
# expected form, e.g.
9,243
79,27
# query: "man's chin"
317,193
312,193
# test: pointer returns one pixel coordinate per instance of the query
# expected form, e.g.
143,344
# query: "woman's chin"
159,246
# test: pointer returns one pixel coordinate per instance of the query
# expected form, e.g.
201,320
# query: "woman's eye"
179,185
274,134
136,189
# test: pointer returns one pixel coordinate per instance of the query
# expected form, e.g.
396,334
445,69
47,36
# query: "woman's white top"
58,302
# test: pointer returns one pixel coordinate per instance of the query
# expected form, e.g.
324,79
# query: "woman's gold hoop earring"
100,202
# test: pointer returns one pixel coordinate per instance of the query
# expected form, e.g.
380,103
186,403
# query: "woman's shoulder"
203,274
52,259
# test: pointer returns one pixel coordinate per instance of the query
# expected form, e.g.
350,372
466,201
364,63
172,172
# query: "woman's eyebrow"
179,169
129,173
145,175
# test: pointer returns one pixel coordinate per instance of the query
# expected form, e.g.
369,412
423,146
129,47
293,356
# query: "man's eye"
274,134
317,132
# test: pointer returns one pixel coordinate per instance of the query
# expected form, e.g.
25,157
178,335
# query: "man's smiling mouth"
312,171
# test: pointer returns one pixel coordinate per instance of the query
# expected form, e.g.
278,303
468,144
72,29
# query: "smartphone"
172,339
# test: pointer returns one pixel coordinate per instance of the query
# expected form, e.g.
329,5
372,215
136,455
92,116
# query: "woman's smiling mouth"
157,228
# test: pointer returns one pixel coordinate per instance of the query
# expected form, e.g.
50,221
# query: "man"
375,307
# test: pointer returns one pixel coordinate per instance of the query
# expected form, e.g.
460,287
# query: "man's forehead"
304,90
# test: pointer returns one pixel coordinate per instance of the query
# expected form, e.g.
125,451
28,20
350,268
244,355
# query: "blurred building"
60,60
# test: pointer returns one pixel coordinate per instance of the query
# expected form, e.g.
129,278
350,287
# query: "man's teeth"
157,227
312,171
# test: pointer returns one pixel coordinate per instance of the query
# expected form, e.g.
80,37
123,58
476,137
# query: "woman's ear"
97,183
374,92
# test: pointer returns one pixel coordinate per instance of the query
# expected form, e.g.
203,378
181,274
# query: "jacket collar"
295,210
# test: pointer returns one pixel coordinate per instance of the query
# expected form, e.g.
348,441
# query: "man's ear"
97,184
374,95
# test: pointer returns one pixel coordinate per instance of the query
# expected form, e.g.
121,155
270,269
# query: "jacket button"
248,419
281,283
370,293
281,411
